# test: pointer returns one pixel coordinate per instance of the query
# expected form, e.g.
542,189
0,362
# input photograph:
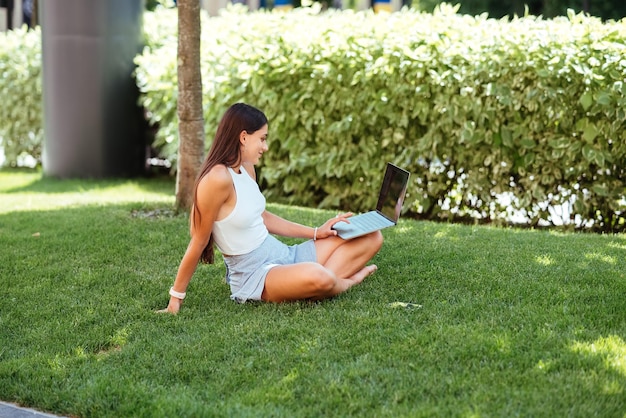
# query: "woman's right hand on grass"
173,306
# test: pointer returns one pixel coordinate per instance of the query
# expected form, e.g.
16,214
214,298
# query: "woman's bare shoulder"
217,178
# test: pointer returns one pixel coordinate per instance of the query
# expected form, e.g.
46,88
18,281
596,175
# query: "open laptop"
390,199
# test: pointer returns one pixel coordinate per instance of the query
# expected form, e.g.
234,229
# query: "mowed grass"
459,321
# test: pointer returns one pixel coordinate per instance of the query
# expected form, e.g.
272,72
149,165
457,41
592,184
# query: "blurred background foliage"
605,9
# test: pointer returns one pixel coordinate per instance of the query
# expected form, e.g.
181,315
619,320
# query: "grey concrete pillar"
93,126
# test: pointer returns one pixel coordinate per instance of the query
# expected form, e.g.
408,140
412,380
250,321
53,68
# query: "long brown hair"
226,150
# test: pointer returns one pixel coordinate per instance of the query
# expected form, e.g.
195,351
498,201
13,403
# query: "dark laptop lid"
392,191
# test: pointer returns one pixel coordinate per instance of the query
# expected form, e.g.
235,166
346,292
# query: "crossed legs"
340,265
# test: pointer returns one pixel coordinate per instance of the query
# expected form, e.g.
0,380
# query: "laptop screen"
392,192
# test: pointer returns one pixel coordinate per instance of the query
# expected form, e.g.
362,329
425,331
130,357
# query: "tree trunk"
190,117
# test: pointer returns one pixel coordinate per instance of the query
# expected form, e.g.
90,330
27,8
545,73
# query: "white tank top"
243,229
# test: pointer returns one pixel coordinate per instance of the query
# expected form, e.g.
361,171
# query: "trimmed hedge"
21,120
494,118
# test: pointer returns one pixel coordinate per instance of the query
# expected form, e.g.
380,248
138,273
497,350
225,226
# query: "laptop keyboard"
369,221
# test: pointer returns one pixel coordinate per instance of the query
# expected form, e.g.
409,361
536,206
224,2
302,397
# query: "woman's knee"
322,279
375,240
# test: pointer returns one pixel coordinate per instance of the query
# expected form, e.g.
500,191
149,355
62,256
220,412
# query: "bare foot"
360,275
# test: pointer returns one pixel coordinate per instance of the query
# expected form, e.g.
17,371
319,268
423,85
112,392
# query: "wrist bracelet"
315,234
179,295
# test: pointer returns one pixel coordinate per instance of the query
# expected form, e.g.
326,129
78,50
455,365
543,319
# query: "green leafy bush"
494,118
21,122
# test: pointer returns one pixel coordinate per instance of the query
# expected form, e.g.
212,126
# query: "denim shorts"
246,273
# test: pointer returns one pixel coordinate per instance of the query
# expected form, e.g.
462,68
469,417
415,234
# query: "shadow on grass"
44,184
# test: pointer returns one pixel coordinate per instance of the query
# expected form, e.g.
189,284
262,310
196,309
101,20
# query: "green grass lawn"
502,322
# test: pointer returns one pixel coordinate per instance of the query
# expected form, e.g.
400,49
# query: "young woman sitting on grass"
229,211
